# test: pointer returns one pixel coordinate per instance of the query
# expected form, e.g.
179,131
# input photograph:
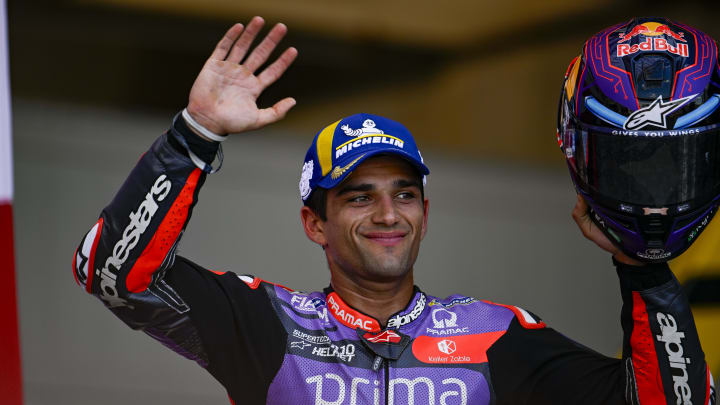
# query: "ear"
426,208
313,226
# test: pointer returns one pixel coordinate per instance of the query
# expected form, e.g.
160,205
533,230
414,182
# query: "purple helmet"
640,128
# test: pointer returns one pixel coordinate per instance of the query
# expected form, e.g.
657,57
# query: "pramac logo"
350,317
442,318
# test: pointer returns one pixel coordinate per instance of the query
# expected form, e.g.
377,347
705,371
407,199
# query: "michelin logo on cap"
366,135
332,156
368,127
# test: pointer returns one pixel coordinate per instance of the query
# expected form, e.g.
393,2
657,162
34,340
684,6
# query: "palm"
224,96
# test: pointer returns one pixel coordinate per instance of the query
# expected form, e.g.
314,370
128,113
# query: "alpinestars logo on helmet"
655,114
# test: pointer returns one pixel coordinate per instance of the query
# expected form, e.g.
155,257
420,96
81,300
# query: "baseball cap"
341,146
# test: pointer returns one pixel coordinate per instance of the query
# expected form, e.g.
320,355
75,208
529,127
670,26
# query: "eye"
361,198
406,195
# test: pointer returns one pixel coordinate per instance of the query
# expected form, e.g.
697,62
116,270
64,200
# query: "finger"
261,52
241,46
227,41
276,112
580,215
581,209
277,68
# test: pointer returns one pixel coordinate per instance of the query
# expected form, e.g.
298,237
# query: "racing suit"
268,344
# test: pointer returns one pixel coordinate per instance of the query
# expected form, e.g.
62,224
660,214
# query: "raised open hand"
224,95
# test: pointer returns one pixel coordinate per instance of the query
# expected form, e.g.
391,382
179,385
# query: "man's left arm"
661,347
662,360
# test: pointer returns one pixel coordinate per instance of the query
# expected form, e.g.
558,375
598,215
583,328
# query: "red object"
387,336
10,377
140,274
707,387
350,317
520,316
644,360
455,349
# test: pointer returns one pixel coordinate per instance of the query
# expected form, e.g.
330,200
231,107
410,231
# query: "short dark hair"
317,201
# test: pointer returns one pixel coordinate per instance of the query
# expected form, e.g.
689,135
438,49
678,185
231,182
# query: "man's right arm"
123,258
133,243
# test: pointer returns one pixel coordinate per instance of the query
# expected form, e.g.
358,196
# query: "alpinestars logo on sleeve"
672,338
139,221
655,114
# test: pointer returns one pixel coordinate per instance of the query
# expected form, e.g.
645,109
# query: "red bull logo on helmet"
652,29
656,40
653,44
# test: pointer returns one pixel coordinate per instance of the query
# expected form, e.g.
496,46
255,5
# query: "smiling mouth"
386,238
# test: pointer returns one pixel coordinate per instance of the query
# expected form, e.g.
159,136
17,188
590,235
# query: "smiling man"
372,336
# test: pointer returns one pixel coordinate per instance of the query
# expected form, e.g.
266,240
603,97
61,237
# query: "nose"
385,211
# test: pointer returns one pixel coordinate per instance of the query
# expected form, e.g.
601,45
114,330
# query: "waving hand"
224,96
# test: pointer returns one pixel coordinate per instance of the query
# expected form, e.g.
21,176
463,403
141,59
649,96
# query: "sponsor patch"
453,302
331,388
350,317
317,340
364,140
652,29
303,303
344,352
305,177
368,127
400,320
653,44
455,349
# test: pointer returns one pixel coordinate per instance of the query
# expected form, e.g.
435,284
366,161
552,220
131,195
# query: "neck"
379,299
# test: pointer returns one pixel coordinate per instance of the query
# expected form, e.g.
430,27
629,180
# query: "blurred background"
477,82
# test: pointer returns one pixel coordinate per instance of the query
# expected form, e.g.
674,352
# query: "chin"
391,268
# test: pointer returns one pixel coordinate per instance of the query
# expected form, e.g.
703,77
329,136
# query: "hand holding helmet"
640,129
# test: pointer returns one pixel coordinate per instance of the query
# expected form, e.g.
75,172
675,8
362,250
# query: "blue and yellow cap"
341,146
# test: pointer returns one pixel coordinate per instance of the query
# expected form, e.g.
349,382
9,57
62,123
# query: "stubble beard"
387,266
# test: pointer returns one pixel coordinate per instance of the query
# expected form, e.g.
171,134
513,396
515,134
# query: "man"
372,337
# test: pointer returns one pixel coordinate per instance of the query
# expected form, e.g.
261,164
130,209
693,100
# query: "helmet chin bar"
649,235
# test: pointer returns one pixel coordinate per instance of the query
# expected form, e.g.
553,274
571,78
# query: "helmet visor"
650,168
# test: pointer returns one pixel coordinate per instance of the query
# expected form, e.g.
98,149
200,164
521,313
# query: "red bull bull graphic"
652,29
653,44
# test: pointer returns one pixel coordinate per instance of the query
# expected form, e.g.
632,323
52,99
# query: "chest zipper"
387,382
380,362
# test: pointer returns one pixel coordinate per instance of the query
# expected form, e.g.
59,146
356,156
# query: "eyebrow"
363,187
355,187
403,183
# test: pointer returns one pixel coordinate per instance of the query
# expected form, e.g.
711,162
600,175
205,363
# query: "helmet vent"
653,75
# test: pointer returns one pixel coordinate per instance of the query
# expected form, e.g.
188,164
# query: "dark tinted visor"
650,168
